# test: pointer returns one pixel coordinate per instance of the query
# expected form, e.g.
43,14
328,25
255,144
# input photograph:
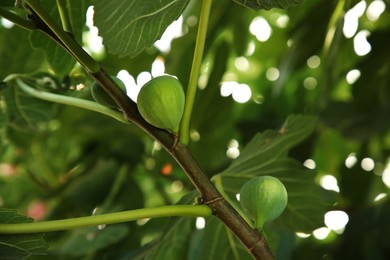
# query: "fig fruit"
161,102
263,198
101,96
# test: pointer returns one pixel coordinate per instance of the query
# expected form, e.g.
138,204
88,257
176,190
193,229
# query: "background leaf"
215,241
16,55
19,246
25,112
267,146
128,27
93,239
208,104
7,3
75,163
175,240
60,61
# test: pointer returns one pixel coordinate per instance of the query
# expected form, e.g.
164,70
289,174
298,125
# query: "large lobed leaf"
307,202
129,26
268,4
19,246
266,155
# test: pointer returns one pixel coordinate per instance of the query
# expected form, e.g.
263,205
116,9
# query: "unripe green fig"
263,198
102,97
161,102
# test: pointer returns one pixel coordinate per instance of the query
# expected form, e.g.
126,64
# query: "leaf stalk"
16,19
108,218
71,101
64,15
195,70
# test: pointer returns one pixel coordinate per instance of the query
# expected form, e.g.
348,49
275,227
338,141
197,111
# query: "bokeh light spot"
329,182
272,74
242,93
353,76
260,28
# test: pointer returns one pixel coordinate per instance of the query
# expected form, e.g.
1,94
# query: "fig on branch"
263,198
161,102
101,96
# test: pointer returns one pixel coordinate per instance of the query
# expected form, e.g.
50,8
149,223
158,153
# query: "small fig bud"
263,198
102,97
161,102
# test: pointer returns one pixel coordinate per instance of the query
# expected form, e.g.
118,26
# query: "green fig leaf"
129,26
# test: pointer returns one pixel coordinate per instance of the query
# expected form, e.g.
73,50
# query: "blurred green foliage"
75,161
